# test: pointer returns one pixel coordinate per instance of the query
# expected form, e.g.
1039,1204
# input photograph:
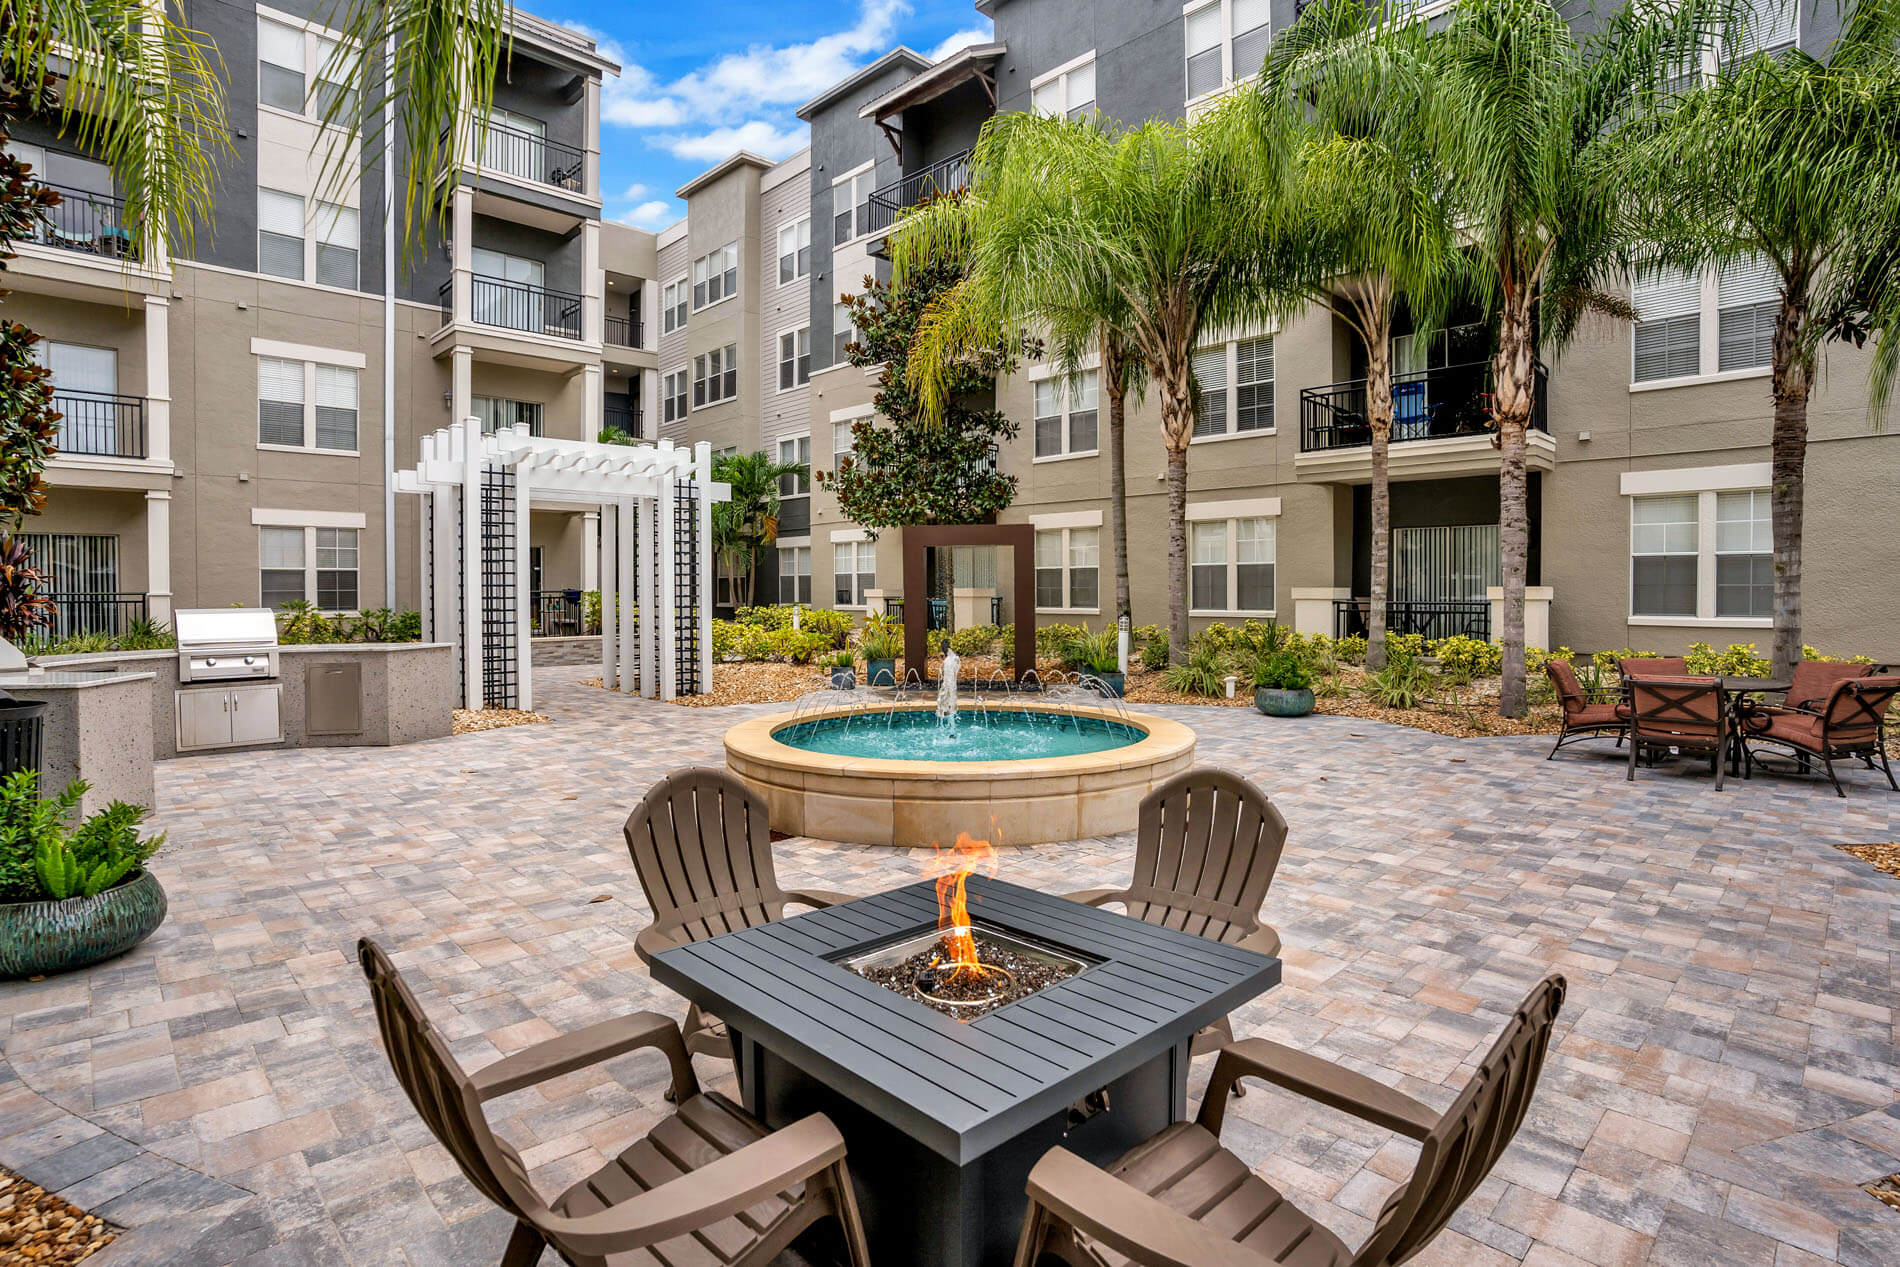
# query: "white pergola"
654,551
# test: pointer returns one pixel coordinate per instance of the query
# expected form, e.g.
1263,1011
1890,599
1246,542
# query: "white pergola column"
626,627
649,606
471,527
666,650
447,583
524,598
702,479
426,576
609,597
590,550
158,555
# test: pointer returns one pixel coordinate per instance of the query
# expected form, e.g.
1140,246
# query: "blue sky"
698,80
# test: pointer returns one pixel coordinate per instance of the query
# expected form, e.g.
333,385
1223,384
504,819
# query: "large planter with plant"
844,675
1283,686
22,732
70,897
1099,655
881,644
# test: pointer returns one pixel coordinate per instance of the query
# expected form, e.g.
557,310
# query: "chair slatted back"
1207,847
1653,666
1856,708
1676,710
1569,690
703,847
1813,681
1473,1134
441,1093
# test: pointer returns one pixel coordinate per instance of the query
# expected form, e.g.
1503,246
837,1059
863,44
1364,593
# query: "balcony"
517,306
945,176
623,332
533,157
1441,425
622,419
87,223
100,424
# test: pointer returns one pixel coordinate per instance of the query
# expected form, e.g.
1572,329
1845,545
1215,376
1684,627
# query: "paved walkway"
1725,1073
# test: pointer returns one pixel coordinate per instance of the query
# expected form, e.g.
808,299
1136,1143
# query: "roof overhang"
974,61
899,56
732,163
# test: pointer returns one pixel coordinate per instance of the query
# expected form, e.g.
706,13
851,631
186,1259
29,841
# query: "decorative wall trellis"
500,600
686,593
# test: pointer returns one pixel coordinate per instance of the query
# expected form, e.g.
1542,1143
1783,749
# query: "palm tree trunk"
1117,469
1177,428
1793,380
1513,385
1379,414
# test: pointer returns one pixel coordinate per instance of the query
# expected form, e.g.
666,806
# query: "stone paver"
1724,1075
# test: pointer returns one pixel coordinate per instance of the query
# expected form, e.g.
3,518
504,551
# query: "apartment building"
230,416
1649,460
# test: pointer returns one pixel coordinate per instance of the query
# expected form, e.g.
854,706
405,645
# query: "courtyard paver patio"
1724,1076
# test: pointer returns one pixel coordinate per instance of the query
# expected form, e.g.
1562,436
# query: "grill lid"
225,627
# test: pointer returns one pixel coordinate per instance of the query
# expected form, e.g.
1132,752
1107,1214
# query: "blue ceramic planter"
1275,702
38,939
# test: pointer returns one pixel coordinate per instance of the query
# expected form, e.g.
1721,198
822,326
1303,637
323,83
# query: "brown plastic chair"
1579,718
709,1184
1846,725
1183,1200
703,847
1684,713
1206,847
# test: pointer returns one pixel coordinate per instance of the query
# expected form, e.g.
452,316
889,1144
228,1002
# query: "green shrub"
756,642
841,660
835,626
934,642
1282,670
1099,652
976,640
1142,635
1462,658
1810,653
1606,661
775,616
798,646
725,639
1051,640
1154,653
1006,644
881,640
1403,683
1204,671
1350,649
41,859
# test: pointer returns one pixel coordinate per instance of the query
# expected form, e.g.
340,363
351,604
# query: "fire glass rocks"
1009,967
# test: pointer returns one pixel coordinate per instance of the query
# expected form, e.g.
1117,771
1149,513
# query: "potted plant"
1283,685
1100,655
881,644
844,675
71,896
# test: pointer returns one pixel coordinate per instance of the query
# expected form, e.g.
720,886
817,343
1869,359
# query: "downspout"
389,322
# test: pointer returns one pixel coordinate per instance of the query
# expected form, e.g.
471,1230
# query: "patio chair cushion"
1654,666
1596,715
1787,726
1814,680
704,1129
1186,1169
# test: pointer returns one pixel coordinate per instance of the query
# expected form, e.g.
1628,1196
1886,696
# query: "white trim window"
673,396
1748,300
843,446
515,145
1770,26
497,413
1702,557
299,72
1065,415
1231,566
843,332
794,358
853,571
337,245
794,251
795,449
1667,342
319,566
1068,569
851,205
1693,325
1068,91
280,233
715,376
1226,43
306,405
794,574
1236,382
673,297
716,276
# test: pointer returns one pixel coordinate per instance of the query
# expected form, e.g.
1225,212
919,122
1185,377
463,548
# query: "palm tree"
1380,233
1795,160
746,525
1164,220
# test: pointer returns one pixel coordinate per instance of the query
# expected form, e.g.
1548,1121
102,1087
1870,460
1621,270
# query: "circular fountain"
917,765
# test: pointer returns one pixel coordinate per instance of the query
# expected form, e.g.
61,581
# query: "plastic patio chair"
703,847
1206,846
1184,1200
708,1184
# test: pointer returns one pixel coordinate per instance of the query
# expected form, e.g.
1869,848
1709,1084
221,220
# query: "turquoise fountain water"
969,734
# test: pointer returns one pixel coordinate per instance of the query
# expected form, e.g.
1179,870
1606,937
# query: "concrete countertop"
53,678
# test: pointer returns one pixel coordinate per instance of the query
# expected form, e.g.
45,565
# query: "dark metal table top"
1746,685
964,1087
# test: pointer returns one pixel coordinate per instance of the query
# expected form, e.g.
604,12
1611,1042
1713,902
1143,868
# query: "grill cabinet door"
256,715
204,719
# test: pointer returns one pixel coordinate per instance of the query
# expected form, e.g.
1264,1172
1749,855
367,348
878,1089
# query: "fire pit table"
945,1116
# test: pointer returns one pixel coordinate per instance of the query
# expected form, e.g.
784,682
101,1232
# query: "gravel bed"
38,1227
469,721
1884,857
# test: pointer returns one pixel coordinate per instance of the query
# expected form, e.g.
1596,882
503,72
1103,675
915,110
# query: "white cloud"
757,135
764,75
656,214
634,192
962,39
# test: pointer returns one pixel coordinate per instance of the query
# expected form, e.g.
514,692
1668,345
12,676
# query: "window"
88,423
1236,384
1068,91
673,396
334,99
794,358
336,245
795,449
279,401
1068,569
336,408
1748,296
305,405
280,233
853,571
290,59
1226,43
794,574
1744,554
851,206
794,251
716,375
843,446
1669,326
1664,554
1231,564
1683,317
280,66
314,565
716,276
515,145
496,413
1066,415
673,306
1770,26
843,333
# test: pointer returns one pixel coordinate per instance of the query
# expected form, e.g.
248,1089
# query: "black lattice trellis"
686,588
500,616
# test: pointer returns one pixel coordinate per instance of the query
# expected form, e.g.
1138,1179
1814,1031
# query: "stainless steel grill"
220,644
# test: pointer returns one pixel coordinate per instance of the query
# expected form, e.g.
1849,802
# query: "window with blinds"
496,413
1210,375
1664,548
1205,73
1049,568
1207,572
1253,564
336,407
280,561
280,399
1066,93
333,99
1770,26
280,234
1253,31
795,451
1253,384
1084,568
794,358
1668,341
843,444
794,251
794,574
1750,300
1744,554
337,243
336,558
280,66
716,276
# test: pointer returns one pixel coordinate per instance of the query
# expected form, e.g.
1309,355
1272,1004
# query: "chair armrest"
1320,1080
819,899
1095,897
568,1052
1126,1219
706,1195
1264,940
652,939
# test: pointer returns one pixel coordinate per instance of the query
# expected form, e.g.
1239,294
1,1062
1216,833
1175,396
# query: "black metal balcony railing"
92,614
560,614
1448,400
623,332
944,176
623,419
532,157
87,222
516,306
1431,618
100,424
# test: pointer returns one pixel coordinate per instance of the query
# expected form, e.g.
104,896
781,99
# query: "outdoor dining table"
1735,692
944,1118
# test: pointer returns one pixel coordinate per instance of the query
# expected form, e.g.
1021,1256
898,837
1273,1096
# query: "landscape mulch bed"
469,721
38,1227
1882,857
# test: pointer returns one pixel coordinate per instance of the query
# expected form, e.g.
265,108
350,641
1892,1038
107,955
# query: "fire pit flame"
953,866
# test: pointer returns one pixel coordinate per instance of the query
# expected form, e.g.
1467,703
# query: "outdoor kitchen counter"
98,728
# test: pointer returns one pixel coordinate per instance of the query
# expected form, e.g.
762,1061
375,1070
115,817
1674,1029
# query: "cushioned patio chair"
1653,666
709,1184
703,847
1814,680
1579,717
1207,844
1183,1200
1688,714
1847,724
